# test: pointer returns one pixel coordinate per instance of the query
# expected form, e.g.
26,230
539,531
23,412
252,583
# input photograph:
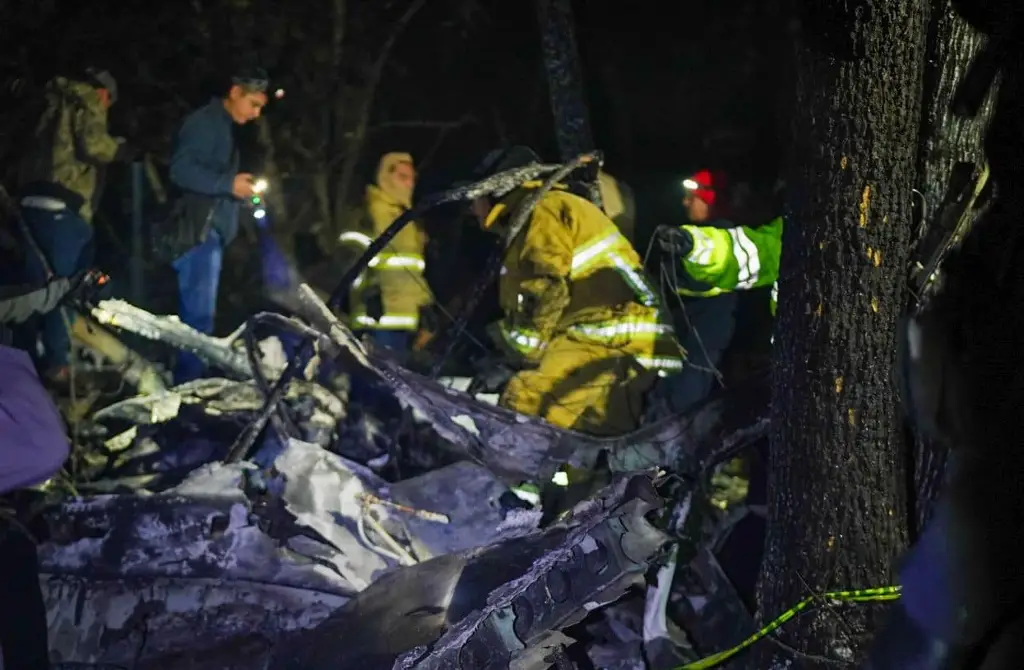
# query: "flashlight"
690,185
260,185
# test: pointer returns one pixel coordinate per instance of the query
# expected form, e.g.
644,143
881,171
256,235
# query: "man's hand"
88,287
243,186
674,241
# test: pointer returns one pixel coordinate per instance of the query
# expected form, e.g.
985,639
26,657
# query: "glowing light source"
260,185
279,93
259,213
690,185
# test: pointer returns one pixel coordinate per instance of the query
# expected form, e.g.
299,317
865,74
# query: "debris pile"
265,519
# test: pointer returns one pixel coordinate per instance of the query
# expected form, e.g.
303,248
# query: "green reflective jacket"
70,146
733,259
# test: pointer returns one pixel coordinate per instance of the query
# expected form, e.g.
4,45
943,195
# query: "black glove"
491,376
674,241
430,319
88,287
373,301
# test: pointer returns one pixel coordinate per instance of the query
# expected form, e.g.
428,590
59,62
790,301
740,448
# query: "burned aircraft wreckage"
261,519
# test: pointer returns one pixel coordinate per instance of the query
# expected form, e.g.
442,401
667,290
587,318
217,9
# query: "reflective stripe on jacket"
733,259
571,272
397,271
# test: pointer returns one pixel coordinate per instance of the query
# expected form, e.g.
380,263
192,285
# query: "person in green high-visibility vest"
709,260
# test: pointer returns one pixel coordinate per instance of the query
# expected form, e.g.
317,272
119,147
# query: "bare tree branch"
425,159
348,169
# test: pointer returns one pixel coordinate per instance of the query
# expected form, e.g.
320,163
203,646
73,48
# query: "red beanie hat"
706,185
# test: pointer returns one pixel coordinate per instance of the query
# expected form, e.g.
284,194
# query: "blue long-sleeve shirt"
205,162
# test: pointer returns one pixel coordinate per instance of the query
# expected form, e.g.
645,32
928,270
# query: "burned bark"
565,83
946,139
837,490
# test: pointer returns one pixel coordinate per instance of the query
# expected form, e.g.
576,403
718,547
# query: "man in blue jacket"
205,167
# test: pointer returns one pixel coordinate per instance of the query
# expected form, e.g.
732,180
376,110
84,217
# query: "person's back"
70,145
60,182
578,308
606,272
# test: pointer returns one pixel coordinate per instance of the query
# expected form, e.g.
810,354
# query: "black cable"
273,396
283,419
243,445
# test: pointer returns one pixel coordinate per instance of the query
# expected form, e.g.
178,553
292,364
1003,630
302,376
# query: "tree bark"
946,139
565,83
837,505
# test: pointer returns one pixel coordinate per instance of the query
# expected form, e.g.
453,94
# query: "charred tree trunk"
836,474
565,83
946,139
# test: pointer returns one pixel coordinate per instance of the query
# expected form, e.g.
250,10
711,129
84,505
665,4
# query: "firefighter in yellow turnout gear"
579,313
386,301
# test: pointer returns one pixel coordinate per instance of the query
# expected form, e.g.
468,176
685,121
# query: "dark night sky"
667,91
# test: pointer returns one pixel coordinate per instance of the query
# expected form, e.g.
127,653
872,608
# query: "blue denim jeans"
198,281
66,240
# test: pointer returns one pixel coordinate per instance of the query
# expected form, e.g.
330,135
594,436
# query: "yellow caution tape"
861,596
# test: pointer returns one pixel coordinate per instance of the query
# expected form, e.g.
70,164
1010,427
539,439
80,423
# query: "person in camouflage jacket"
60,182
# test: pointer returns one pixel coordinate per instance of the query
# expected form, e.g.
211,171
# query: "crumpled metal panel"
171,535
327,494
412,606
170,329
237,534
606,553
156,440
468,494
545,580
142,622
